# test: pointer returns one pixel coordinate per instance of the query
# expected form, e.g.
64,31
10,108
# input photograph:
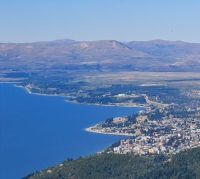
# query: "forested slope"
185,165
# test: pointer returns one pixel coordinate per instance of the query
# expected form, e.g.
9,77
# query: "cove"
37,131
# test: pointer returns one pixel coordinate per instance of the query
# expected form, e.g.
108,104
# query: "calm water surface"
40,131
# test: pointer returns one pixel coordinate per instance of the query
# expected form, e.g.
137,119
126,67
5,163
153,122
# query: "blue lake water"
40,131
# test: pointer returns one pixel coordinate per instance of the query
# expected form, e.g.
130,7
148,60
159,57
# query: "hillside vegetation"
185,165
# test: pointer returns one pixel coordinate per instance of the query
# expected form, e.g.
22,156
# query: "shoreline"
38,94
125,105
112,105
89,129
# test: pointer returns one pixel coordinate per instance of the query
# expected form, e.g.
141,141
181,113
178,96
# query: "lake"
40,131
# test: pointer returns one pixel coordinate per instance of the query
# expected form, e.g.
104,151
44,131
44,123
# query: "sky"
123,20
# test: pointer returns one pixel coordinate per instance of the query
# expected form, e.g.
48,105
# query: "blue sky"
124,20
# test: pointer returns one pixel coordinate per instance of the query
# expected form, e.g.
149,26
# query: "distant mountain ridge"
104,55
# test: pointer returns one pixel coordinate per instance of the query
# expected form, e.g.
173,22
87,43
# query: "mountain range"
103,55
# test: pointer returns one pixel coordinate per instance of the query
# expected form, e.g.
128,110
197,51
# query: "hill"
103,55
184,165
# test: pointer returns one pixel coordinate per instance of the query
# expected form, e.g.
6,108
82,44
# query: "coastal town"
159,129
167,123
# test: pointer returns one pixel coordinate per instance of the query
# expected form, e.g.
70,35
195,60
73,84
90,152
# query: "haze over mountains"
104,55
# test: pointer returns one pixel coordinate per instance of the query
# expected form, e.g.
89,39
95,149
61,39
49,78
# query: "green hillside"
185,165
